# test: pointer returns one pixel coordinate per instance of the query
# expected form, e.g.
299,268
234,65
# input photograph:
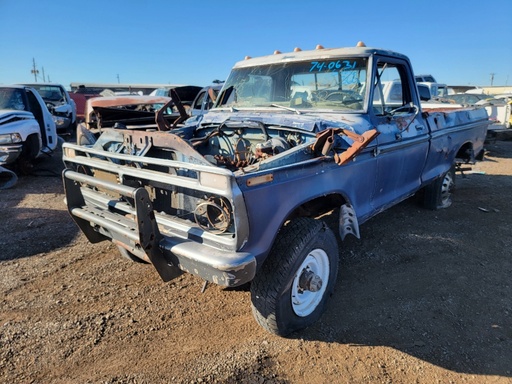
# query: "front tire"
30,150
292,288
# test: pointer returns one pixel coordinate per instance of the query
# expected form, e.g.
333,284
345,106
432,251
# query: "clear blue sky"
460,42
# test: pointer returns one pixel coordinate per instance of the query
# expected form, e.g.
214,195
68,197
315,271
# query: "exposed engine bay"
236,145
239,145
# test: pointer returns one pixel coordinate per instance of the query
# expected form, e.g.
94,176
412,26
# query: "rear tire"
438,195
292,288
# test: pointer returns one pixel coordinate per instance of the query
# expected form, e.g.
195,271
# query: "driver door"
402,144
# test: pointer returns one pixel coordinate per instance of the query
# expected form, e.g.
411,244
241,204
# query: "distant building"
489,90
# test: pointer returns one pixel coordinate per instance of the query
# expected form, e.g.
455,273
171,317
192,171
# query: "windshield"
320,85
49,92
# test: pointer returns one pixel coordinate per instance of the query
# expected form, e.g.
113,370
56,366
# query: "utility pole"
34,69
118,78
44,80
492,78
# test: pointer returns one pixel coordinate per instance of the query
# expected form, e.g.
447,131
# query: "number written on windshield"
319,66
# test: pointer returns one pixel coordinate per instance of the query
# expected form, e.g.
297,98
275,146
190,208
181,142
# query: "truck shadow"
35,231
501,149
44,224
432,284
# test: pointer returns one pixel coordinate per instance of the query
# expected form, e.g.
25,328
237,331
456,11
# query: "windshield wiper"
287,108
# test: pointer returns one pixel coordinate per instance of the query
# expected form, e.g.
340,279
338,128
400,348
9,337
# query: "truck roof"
42,84
18,86
318,53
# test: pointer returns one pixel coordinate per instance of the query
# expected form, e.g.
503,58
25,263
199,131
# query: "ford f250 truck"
242,196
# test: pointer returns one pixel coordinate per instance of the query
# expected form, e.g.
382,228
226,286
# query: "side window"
424,92
211,93
395,93
391,88
199,101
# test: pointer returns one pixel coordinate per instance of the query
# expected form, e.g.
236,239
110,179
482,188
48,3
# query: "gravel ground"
424,296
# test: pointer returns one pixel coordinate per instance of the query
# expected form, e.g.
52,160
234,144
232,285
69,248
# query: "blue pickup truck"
243,194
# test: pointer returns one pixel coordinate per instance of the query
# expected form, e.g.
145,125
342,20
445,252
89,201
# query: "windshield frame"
330,85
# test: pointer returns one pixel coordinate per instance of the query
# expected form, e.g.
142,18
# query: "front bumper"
10,153
138,232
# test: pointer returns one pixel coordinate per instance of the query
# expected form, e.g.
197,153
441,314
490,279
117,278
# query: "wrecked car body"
135,112
239,195
59,104
125,112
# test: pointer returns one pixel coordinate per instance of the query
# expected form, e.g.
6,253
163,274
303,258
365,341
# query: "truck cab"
436,89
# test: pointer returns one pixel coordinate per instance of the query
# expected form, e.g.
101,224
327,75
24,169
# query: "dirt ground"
423,297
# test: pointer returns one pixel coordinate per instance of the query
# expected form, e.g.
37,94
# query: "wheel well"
465,154
31,147
319,206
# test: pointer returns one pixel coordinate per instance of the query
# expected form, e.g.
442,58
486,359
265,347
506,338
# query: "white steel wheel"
309,285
